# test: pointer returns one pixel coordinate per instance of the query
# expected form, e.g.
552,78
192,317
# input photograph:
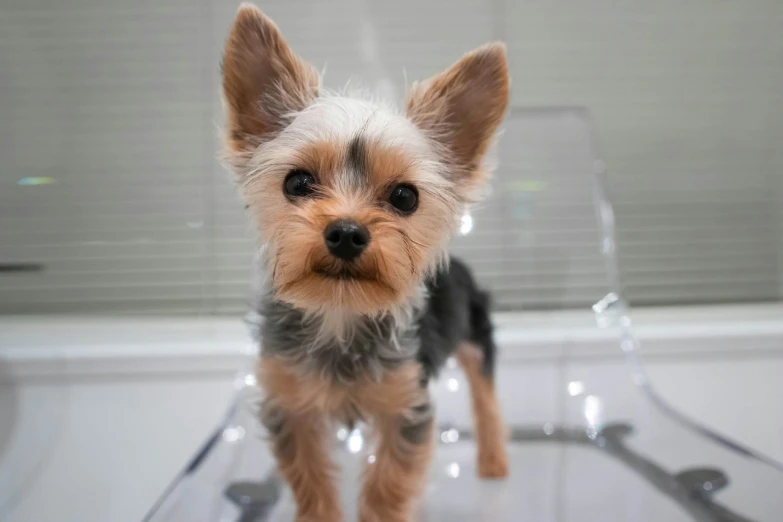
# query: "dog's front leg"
404,449
300,444
295,414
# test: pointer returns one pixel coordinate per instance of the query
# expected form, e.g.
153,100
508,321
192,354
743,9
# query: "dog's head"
354,201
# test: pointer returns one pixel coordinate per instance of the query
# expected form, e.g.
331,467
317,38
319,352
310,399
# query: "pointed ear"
263,81
462,107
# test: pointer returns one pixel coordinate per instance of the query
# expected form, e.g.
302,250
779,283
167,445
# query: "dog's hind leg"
491,432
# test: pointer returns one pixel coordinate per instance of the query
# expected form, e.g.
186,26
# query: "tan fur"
297,392
395,392
263,80
322,158
402,248
305,465
302,447
397,477
386,164
308,393
491,433
461,108
310,401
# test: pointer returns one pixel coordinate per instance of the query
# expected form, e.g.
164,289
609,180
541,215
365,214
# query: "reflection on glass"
593,410
449,436
466,224
355,441
233,434
576,388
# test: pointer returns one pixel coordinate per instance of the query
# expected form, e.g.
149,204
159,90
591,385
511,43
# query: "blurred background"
113,200
126,255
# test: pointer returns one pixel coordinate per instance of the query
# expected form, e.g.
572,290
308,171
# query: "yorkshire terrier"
355,203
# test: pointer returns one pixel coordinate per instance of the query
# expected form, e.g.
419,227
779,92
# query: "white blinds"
109,102
688,97
112,201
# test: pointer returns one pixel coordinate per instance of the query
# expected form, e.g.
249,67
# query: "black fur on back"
456,310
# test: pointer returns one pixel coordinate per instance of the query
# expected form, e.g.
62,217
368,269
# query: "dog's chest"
393,393
365,349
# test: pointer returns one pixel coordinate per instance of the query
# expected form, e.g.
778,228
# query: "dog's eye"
298,183
404,198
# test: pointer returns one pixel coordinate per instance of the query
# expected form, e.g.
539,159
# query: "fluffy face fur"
357,150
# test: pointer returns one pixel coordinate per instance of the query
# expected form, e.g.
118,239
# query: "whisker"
300,219
408,238
327,216
380,221
266,168
382,259
408,253
308,259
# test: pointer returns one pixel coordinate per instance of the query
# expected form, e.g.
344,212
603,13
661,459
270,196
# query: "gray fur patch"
273,417
417,425
417,433
369,347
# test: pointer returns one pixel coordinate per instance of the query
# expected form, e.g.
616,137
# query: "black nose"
346,239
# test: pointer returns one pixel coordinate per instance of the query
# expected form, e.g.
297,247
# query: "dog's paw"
335,516
493,466
384,514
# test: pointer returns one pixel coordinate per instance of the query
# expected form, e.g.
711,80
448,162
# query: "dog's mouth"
342,274
356,287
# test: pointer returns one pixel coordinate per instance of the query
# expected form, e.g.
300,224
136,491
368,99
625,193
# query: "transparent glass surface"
33,414
613,451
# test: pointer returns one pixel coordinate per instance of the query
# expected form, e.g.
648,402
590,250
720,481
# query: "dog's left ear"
462,107
264,82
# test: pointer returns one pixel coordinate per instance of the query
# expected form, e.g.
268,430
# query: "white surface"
115,407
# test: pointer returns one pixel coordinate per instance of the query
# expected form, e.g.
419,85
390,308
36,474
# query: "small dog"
355,203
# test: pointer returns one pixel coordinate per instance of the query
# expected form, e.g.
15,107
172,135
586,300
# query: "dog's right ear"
264,82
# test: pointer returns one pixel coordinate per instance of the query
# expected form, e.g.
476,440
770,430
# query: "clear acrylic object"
614,452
